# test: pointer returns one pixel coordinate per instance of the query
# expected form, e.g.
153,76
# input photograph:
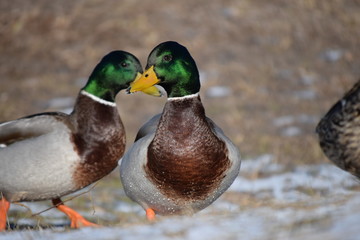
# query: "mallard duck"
49,155
181,160
339,132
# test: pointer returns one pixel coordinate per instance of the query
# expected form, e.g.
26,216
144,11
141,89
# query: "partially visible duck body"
49,155
181,160
339,132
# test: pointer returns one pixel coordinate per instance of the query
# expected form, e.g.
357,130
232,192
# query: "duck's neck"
182,117
93,115
99,135
182,125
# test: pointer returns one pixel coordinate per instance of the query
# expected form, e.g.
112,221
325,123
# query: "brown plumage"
339,132
99,139
181,162
190,145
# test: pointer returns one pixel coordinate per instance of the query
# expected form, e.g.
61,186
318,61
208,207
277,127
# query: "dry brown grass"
262,50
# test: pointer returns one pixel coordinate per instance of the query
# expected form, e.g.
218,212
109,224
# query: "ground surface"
268,202
269,71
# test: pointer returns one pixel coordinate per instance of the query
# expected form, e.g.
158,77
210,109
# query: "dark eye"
124,64
167,58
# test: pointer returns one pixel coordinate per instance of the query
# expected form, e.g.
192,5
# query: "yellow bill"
153,91
145,83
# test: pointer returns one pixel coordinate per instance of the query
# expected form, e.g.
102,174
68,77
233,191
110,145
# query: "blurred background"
269,69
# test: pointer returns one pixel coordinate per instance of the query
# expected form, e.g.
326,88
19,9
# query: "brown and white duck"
181,160
339,132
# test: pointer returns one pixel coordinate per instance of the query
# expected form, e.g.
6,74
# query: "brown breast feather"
99,139
186,160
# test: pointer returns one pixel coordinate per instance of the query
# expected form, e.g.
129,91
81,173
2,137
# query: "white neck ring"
97,99
184,97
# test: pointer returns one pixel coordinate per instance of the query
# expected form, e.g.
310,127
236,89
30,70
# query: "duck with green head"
181,160
49,155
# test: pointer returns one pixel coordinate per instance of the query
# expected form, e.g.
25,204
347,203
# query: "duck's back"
339,132
27,167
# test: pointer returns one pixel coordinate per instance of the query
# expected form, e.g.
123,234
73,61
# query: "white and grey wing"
28,127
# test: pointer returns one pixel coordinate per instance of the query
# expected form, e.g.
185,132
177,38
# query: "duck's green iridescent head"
171,66
113,73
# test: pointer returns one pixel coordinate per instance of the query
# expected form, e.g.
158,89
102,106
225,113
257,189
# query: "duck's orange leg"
76,219
4,208
150,214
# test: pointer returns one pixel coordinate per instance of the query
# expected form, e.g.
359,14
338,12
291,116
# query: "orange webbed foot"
77,221
150,214
4,208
